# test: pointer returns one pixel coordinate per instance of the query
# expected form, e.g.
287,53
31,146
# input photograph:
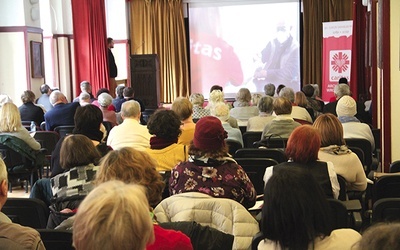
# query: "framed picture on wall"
37,59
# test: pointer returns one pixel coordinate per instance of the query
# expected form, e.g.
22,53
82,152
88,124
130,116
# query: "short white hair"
130,109
287,93
56,96
341,90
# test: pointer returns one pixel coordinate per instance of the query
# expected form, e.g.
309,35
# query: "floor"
18,192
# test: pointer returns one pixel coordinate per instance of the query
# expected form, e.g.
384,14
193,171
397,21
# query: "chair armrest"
352,205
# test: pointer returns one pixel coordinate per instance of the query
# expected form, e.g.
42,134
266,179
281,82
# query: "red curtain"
90,43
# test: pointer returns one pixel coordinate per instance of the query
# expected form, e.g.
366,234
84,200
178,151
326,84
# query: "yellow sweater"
168,157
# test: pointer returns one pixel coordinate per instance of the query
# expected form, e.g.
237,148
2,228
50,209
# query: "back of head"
316,89
197,99
119,91
87,120
182,107
104,100
28,96
85,86
165,124
221,111
113,216
216,87
44,89
243,95
269,89
10,118
130,109
346,106
303,144
216,96
300,99
287,93
282,106
308,90
381,236
330,129
132,167
255,98
341,90
266,104
129,92
295,209
78,150
84,97
279,88
56,96
343,80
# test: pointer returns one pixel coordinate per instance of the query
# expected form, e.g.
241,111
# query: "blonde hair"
243,95
114,216
132,166
216,96
255,99
330,129
300,99
221,111
10,119
182,107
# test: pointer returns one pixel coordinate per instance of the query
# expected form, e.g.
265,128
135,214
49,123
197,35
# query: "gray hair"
341,89
269,89
84,85
197,99
105,99
266,104
288,93
84,96
130,109
56,96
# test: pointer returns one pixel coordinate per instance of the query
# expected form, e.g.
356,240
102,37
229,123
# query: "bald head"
130,109
57,97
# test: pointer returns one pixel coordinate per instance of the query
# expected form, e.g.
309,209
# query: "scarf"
160,143
336,150
344,119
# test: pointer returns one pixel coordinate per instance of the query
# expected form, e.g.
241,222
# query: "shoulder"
24,237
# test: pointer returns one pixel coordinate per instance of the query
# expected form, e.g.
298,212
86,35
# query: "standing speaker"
145,79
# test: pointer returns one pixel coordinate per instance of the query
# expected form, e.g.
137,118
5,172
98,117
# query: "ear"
3,188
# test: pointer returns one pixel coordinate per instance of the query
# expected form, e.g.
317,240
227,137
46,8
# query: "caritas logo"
339,64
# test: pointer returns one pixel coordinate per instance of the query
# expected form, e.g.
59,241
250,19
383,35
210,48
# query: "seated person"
197,100
334,149
96,102
257,123
298,113
28,110
283,124
302,151
217,96
221,111
381,236
184,109
13,235
164,148
242,110
114,216
105,101
295,214
210,169
62,112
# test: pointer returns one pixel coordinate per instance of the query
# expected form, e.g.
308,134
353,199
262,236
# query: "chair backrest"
386,210
250,137
43,126
12,158
47,140
64,130
387,186
360,154
56,239
28,212
273,153
256,240
233,145
365,145
255,169
343,189
339,217
394,167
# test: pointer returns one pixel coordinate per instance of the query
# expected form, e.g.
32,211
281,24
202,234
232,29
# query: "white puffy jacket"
223,214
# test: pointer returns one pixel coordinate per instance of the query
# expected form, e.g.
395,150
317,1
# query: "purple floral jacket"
227,180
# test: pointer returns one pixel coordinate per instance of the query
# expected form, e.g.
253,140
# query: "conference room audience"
184,109
295,214
221,111
334,149
114,216
130,133
283,124
257,123
197,100
164,148
28,110
62,112
302,151
11,125
242,110
13,235
298,113
346,110
210,169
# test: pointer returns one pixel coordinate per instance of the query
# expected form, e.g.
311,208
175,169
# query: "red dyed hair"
303,144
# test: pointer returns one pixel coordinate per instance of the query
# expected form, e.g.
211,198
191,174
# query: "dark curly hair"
164,124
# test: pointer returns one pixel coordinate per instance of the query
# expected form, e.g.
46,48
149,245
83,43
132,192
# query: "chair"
394,167
27,212
56,239
255,169
250,137
43,126
64,130
243,129
359,152
343,189
272,142
386,210
233,145
48,141
365,145
338,213
273,153
387,186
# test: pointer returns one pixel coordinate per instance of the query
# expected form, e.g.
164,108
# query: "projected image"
244,46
